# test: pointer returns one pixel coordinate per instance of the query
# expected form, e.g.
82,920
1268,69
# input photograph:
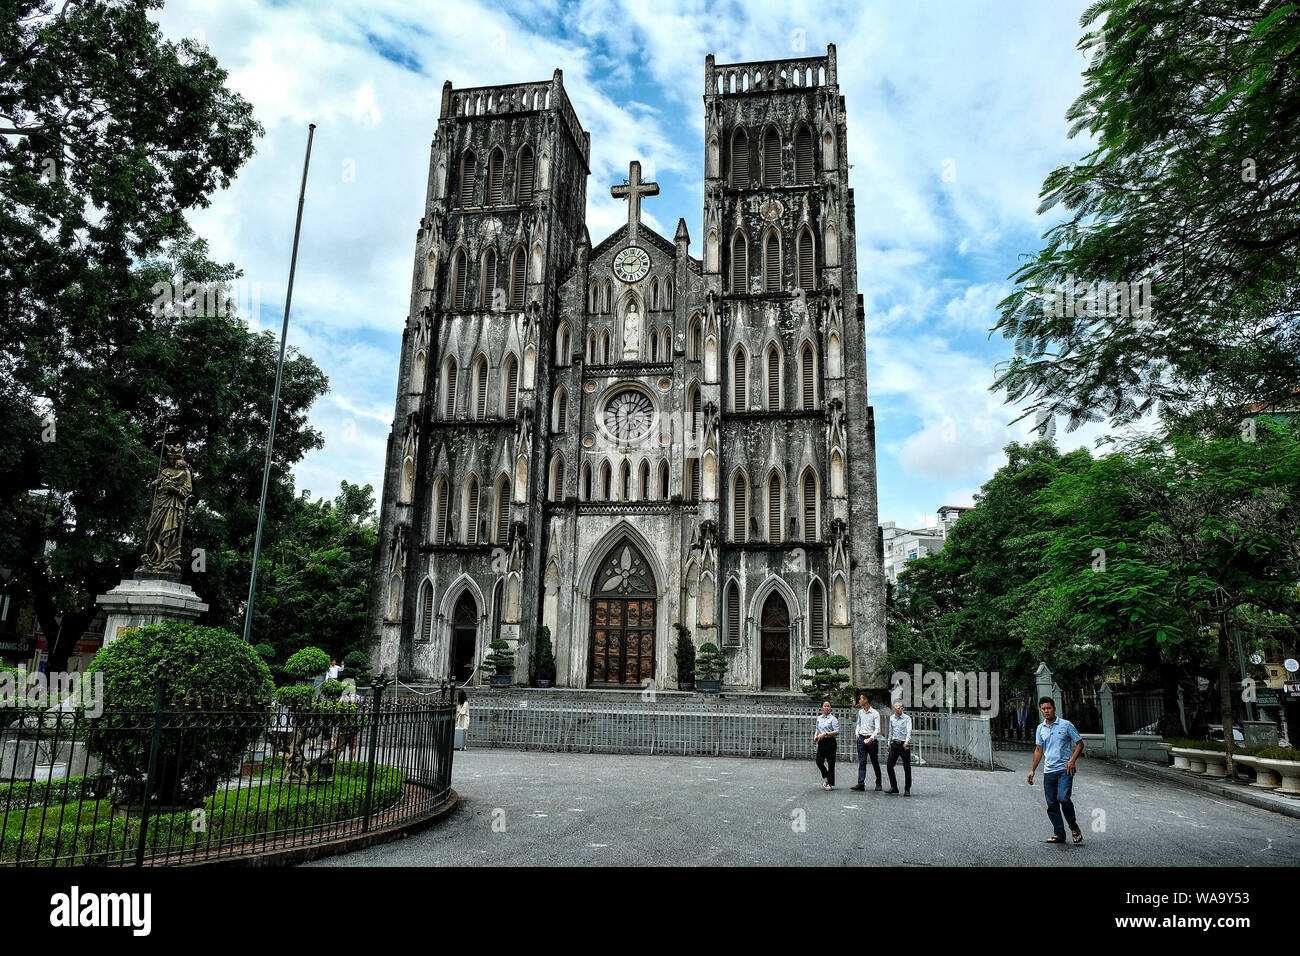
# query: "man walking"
828,729
1053,737
866,732
900,745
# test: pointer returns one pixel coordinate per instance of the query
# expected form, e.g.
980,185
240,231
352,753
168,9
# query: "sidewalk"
1242,792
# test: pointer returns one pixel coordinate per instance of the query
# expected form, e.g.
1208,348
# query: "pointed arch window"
496,168
668,293
808,374
654,294
449,393
809,506
663,480
733,615
803,156
740,160
480,389
807,276
512,385
518,261
441,517
693,479
561,410
773,378
488,278
586,481
740,508
739,382
695,341
425,630
694,405
817,615
772,262
643,492
774,508
606,481
604,349
471,510
557,479
609,297
591,348
524,173
502,529
625,481
467,178
654,344
739,263
771,158
458,270
562,345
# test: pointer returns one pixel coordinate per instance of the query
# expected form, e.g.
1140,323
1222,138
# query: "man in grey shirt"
828,729
867,734
900,745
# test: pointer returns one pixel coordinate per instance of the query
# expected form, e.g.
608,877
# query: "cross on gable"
632,191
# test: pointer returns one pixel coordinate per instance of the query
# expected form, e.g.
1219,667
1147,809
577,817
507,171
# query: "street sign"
1266,697
1291,664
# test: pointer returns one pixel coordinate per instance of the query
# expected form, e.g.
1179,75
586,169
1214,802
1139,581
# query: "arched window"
740,508
441,517
771,158
740,160
694,405
560,423
695,340
643,490
807,274
609,296
739,382
488,278
467,178
591,299
518,261
449,389
808,376
606,481
733,615
425,630
654,294
562,356
585,490
772,262
817,614
774,508
739,263
654,344
625,481
810,516
604,348
666,350
496,167
524,172
470,511
511,376
663,480
557,479
480,389
803,156
591,348
773,378
692,479
502,524
668,293
458,270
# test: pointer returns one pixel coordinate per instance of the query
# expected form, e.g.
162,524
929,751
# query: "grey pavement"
547,809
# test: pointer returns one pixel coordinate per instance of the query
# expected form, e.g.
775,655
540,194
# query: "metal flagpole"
275,398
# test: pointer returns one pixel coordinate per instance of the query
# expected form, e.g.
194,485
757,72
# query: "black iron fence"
173,786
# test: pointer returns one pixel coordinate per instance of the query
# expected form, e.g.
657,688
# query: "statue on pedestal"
171,491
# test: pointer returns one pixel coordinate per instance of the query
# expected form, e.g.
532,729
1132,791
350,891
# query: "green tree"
315,572
113,134
1193,184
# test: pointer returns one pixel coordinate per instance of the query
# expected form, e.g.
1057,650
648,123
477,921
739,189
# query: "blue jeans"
1056,787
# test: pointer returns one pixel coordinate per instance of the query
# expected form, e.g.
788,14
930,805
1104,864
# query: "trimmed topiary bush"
204,669
357,666
306,664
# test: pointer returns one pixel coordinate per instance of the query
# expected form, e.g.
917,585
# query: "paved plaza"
540,809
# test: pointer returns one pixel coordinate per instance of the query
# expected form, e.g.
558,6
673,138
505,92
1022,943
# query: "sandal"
1078,836
1055,839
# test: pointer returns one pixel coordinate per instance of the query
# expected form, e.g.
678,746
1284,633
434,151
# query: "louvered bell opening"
558,494
771,159
773,381
695,479
503,513
809,383
809,508
740,522
497,163
525,186
481,398
739,386
739,265
804,157
467,182
774,510
426,613
740,162
562,413
471,515
517,279
441,530
733,616
772,264
512,388
806,280
489,278
450,410
458,289
817,611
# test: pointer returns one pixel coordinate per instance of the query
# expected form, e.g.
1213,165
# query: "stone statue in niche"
631,333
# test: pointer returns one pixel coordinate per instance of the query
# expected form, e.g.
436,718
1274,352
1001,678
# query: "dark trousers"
896,750
1057,787
871,750
826,759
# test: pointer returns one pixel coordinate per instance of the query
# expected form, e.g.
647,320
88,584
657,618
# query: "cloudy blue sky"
974,90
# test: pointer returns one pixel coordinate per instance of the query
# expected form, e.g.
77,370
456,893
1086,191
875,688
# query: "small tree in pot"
710,666
502,662
685,658
544,659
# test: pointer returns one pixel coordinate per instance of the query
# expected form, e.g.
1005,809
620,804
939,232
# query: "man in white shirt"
828,729
867,734
900,745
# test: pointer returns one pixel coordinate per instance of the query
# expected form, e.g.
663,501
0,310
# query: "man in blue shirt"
828,729
1053,739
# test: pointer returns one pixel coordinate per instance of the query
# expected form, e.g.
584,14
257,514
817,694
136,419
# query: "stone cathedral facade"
611,440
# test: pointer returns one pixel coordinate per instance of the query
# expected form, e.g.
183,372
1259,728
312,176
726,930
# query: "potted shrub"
544,659
502,663
685,658
710,666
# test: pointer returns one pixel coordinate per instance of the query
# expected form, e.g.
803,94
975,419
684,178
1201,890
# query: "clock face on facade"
629,416
632,264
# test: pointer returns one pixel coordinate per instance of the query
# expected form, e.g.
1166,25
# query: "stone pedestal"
147,599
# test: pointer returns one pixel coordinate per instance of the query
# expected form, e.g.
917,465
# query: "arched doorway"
464,637
622,619
775,628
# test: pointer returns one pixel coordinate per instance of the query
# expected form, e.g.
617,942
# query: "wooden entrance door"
464,637
623,619
775,636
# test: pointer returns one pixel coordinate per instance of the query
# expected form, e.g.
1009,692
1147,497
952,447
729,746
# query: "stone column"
1106,703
